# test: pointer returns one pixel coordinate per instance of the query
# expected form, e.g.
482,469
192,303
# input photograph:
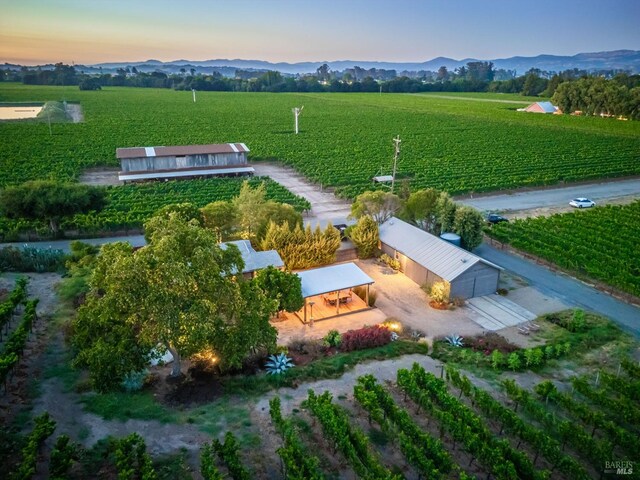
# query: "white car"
582,203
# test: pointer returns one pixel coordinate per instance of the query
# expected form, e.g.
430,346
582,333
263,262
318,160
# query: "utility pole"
194,94
396,142
296,113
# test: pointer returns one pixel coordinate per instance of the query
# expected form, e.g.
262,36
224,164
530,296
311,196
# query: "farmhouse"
254,261
188,161
426,259
328,291
541,107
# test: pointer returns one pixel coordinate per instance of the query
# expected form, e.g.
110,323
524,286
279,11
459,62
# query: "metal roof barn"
427,259
147,163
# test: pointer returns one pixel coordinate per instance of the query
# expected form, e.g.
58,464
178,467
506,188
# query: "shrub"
332,339
367,337
31,259
365,236
134,381
490,342
390,262
439,292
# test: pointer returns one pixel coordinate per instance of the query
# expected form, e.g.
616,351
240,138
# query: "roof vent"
463,260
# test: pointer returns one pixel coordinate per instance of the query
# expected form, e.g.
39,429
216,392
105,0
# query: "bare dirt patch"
100,176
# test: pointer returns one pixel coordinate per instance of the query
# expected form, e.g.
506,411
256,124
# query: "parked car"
582,203
494,218
341,227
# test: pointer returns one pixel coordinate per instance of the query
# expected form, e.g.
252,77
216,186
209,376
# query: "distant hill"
617,59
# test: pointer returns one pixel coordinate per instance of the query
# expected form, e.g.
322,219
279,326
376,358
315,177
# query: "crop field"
129,206
600,243
455,144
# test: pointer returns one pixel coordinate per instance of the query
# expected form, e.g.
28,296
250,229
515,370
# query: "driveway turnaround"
569,290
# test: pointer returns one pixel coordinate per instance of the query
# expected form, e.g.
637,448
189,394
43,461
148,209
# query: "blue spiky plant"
278,364
454,340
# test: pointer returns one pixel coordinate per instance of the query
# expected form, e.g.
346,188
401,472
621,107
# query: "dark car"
341,227
494,218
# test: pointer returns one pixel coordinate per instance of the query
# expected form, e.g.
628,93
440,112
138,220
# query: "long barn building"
189,161
427,259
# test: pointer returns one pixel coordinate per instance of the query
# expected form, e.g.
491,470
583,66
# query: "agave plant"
278,364
454,340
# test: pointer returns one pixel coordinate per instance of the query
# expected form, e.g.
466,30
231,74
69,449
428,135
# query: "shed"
330,290
253,260
427,259
188,161
541,107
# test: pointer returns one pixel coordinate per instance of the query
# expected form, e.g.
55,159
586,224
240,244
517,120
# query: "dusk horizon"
71,31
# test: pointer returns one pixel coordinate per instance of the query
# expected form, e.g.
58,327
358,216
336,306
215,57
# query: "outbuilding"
254,260
541,107
187,161
329,291
426,259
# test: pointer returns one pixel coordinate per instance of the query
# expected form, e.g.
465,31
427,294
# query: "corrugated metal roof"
137,152
329,279
189,172
433,253
255,260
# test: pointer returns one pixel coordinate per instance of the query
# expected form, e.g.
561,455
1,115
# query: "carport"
328,292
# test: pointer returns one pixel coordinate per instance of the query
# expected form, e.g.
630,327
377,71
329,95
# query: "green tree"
365,236
421,209
180,291
186,211
50,201
446,213
283,287
377,204
468,224
251,206
302,248
222,218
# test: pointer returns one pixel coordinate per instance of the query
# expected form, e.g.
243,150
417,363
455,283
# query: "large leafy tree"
284,287
221,217
50,201
468,224
377,204
421,208
179,291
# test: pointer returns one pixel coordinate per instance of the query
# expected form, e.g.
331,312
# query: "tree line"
473,77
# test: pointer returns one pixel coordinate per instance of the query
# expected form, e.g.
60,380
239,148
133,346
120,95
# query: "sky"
94,31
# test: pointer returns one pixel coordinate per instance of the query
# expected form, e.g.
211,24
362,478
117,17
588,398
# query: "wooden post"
305,311
368,285
338,302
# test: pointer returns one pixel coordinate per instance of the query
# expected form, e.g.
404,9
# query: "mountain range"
618,59
612,60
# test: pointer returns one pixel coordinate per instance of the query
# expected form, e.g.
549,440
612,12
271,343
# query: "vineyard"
345,139
130,205
598,244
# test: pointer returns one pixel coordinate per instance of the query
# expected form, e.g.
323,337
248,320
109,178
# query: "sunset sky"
93,31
